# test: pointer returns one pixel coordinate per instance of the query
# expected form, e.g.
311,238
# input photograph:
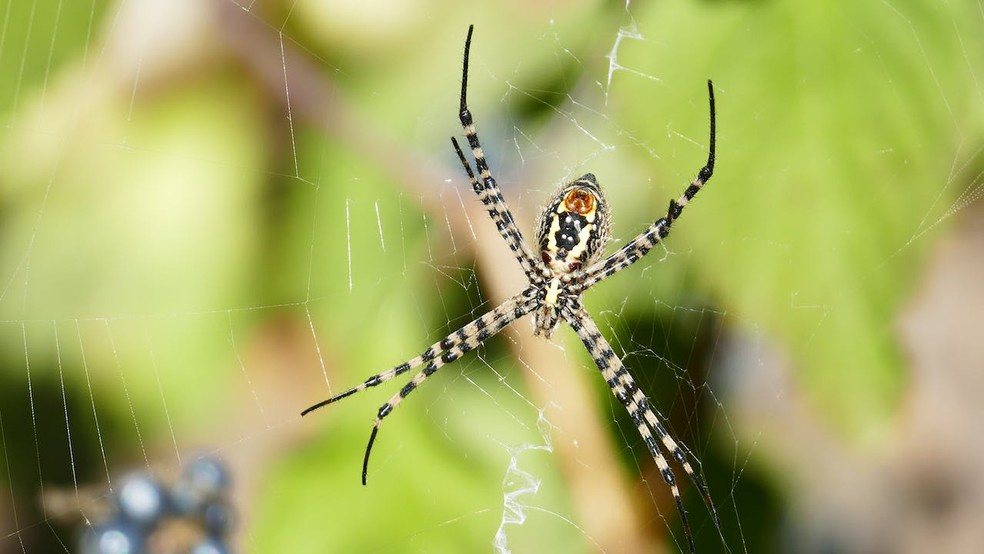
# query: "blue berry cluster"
191,515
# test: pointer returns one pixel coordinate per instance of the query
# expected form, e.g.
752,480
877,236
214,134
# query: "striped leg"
475,330
635,401
488,190
460,342
432,352
642,244
500,214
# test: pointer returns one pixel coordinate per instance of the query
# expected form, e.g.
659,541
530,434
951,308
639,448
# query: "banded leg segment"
461,341
488,190
645,241
427,355
476,330
500,215
640,410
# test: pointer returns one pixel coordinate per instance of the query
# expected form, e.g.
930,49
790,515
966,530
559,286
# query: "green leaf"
835,137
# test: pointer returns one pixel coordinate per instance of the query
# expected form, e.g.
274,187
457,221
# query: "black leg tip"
310,409
365,461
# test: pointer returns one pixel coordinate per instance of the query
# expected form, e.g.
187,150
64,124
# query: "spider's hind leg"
427,355
637,404
458,343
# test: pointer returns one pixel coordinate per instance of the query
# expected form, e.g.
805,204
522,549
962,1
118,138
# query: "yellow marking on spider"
580,202
553,291
582,240
552,234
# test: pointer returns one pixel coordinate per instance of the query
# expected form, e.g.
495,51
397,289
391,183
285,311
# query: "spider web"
216,214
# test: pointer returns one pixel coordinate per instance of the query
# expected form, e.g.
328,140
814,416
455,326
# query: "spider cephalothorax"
571,236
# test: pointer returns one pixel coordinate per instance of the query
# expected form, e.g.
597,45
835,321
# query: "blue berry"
206,475
210,546
115,537
217,518
141,499
202,480
186,500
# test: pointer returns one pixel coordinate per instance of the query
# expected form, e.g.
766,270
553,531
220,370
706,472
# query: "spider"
571,235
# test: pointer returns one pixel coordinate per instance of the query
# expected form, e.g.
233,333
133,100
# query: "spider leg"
645,241
461,341
427,355
500,214
476,328
641,411
488,190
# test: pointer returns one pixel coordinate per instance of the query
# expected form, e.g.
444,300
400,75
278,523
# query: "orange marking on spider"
580,202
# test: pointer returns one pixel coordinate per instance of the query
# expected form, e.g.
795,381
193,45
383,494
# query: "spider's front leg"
645,241
488,190
478,331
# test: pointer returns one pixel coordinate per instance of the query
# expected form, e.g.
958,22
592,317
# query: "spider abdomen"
573,228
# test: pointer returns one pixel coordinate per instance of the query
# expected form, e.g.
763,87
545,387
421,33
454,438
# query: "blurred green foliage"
839,128
152,227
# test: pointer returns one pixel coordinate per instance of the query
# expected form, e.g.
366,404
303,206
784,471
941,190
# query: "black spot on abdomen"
570,226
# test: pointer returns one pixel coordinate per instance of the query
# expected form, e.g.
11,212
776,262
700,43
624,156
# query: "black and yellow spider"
571,235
